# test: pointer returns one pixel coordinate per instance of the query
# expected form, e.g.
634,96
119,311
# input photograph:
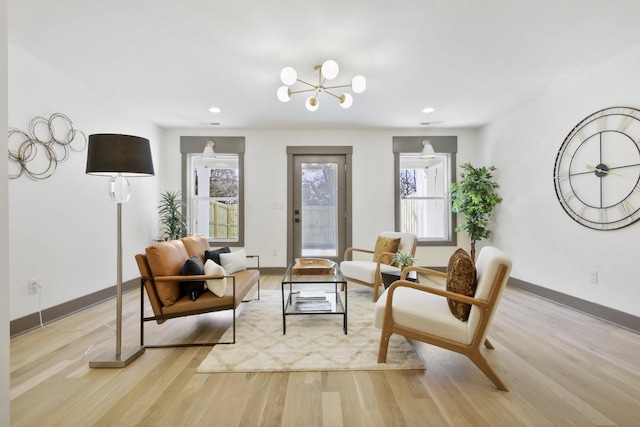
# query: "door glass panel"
319,209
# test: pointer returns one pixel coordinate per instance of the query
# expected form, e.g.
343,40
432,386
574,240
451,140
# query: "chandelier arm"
329,93
303,82
301,91
336,87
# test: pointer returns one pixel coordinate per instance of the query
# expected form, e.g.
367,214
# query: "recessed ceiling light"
215,110
429,110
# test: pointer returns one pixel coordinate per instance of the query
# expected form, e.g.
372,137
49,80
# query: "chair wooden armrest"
385,256
348,254
424,271
424,288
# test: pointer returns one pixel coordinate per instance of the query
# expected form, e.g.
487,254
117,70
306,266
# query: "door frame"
347,152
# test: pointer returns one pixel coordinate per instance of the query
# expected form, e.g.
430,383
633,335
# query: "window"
213,189
422,191
214,197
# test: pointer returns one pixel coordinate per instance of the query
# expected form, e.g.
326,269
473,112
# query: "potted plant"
475,196
402,259
173,222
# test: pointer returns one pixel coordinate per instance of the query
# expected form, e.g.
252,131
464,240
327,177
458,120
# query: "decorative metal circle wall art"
48,142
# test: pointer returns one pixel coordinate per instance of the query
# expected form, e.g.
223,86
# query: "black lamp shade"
113,154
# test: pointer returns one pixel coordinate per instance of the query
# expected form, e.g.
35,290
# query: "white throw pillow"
217,286
234,261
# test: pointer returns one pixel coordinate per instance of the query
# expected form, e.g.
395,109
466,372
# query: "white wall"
549,248
266,183
63,229
4,228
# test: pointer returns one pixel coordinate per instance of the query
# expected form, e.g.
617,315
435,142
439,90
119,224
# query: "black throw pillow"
215,255
193,267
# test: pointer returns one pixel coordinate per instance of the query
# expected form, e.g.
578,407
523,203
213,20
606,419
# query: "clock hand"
593,168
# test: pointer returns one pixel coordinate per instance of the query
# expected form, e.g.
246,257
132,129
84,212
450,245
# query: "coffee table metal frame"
296,282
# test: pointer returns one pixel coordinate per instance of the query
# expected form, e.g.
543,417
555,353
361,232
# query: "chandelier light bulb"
358,84
288,75
312,103
330,69
346,100
284,93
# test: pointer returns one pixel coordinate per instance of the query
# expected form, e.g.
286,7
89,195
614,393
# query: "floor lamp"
118,156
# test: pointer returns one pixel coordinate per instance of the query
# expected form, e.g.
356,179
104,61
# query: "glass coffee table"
314,292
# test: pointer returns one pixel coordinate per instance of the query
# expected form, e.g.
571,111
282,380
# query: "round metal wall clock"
597,169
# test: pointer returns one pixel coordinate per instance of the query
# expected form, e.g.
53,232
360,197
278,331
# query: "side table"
389,277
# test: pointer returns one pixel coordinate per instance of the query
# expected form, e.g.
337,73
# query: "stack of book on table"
311,301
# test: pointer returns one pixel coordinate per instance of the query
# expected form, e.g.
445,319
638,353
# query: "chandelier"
326,72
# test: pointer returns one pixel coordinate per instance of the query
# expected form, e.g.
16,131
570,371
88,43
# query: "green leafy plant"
173,222
402,259
475,196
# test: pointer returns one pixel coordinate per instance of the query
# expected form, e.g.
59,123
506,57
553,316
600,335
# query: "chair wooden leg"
488,344
376,287
481,363
384,345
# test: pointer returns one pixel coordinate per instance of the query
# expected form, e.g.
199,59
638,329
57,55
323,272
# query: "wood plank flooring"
563,369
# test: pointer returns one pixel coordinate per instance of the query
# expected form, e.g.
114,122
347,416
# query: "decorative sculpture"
36,153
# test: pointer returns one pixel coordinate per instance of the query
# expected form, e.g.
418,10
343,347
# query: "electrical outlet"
593,276
33,286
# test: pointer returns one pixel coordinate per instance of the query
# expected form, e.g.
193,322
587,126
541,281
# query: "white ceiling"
471,60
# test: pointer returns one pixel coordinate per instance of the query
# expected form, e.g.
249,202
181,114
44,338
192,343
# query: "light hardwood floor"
563,369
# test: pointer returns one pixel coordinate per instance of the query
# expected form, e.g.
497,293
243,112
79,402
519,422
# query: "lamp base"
110,360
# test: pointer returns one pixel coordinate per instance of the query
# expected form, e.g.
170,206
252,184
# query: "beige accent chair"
368,272
421,312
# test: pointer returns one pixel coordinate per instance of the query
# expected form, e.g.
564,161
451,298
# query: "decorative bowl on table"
313,266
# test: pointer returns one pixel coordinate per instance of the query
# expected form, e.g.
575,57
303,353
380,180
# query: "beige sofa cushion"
217,286
364,271
409,306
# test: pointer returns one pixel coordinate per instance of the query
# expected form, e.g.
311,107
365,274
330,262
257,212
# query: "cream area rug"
312,342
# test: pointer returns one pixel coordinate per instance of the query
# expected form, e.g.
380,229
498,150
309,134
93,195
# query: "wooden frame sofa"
161,274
